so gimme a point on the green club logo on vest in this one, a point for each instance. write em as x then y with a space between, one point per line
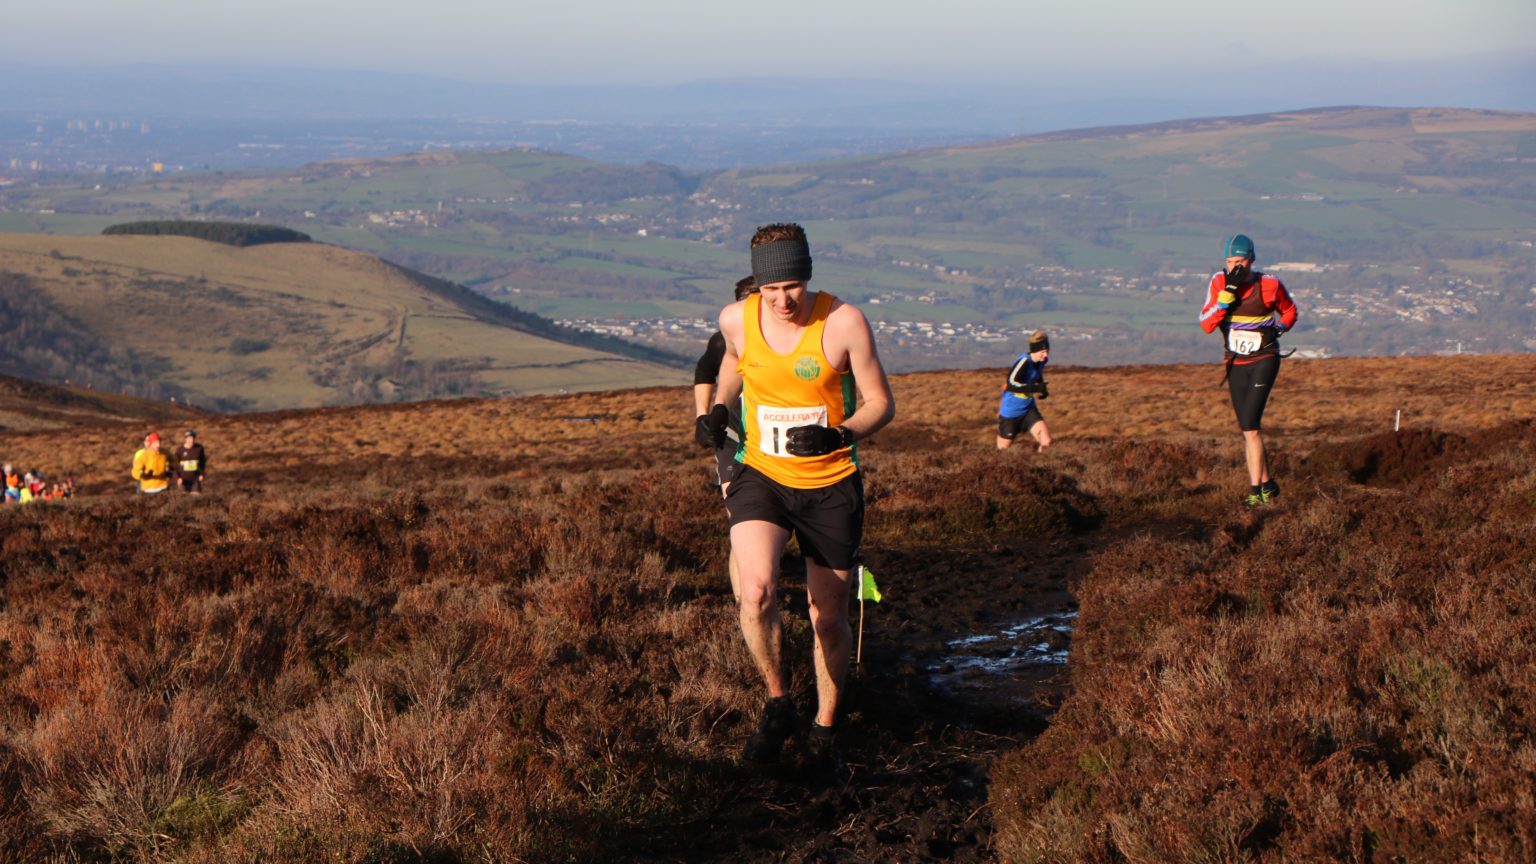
807 369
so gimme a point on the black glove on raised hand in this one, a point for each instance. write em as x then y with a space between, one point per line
709 429
816 440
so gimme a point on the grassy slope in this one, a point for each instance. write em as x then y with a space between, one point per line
27 406
1200 178
329 316
499 630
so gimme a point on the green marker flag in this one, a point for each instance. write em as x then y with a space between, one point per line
867 591
867 588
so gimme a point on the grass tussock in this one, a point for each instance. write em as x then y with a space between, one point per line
500 630
460 675
974 500
1350 678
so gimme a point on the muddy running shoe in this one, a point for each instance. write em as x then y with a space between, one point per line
1269 491
1254 499
773 728
826 752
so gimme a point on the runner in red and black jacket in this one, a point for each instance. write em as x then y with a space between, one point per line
1252 310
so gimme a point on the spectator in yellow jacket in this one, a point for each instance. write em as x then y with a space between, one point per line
151 467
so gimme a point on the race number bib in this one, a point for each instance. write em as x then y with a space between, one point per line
774 423
1244 341
189 466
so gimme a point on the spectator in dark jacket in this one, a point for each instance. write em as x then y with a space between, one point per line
191 463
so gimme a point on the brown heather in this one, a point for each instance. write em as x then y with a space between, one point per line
500 631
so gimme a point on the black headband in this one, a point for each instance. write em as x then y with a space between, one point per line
781 261
1039 344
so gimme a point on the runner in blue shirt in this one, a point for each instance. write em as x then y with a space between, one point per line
1018 411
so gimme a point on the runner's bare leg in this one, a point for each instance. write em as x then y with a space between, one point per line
755 548
735 574
1258 464
829 591
730 560
1042 435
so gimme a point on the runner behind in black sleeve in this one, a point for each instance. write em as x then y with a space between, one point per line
705 376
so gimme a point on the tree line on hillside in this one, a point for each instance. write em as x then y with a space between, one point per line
44 343
228 233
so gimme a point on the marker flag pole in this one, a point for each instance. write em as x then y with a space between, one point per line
867 590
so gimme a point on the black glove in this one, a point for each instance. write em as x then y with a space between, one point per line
1035 389
816 440
709 429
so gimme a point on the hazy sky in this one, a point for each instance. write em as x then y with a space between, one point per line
674 41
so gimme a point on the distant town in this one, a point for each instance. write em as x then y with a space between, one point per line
1329 312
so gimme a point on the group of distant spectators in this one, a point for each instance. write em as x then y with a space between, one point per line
155 471
27 487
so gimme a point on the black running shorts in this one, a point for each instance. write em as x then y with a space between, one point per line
828 522
726 466
1010 427
1250 384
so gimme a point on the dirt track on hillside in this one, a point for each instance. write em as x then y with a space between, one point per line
925 718
965 659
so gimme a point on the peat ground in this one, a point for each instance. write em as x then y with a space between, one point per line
556 566
921 735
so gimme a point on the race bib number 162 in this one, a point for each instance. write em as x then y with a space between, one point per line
774 423
1244 341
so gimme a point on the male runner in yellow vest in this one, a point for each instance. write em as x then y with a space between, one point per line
793 355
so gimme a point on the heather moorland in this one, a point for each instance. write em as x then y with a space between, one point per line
500 630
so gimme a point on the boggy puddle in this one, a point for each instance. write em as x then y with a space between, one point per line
1006 664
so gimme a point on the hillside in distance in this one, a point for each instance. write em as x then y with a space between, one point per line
29 406
501 629
1399 230
280 325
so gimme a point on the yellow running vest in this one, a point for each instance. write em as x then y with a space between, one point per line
782 391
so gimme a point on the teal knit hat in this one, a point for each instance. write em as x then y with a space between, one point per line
1238 246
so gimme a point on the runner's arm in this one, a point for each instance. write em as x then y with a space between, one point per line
1214 311
1016 374
868 373
1285 307
707 373
703 397
728 384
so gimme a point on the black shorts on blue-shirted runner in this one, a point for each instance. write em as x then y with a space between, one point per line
1010 427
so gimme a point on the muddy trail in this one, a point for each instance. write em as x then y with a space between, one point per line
965 659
